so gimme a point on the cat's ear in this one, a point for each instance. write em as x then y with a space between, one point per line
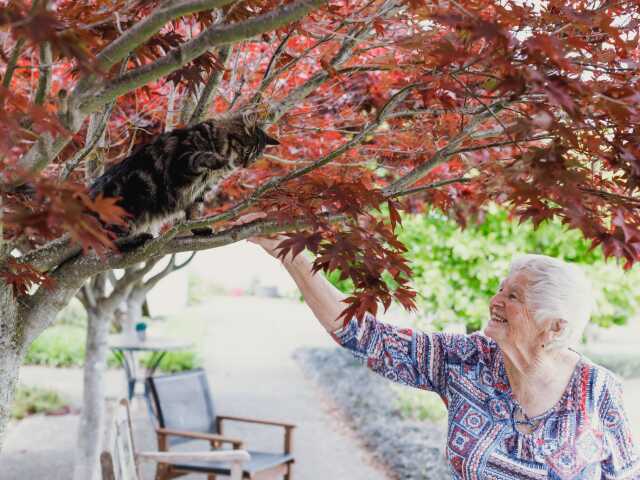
270 140
250 120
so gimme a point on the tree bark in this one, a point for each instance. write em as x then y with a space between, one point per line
11 353
134 310
91 429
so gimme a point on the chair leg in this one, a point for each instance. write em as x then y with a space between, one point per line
161 472
289 474
211 477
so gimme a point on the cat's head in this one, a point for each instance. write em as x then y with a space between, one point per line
254 138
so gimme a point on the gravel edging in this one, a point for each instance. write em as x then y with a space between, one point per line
412 450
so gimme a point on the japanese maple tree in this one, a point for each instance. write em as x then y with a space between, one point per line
380 103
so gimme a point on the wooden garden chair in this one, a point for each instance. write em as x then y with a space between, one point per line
120 461
184 411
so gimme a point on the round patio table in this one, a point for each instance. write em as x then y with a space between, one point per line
124 348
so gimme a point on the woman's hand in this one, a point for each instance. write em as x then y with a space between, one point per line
269 244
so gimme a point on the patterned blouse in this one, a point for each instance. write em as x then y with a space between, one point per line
585 436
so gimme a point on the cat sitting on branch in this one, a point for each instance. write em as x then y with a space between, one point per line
165 179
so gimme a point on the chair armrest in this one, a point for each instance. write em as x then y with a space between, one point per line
255 420
239 456
211 437
236 459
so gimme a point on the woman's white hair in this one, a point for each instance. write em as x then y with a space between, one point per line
557 290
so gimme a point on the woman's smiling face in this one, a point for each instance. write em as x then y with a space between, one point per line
511 321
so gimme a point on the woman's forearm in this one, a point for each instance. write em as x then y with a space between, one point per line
323 298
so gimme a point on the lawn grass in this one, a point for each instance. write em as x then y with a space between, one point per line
32 400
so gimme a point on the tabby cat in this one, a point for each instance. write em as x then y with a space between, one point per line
162 179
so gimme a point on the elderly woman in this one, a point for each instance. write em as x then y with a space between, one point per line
522 404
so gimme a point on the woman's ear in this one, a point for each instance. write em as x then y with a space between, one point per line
555 329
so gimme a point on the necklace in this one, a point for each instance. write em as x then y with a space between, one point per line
527 424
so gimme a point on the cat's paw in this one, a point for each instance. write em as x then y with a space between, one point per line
200 232
131 243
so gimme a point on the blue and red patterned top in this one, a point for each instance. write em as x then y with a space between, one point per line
585 436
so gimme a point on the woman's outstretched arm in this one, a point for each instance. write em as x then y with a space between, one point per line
323 298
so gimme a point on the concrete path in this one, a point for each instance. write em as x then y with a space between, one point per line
247 343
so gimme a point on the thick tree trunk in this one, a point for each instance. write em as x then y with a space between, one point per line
10 360
91 429
12 349
120 318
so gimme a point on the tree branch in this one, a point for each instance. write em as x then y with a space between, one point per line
430 186
206 97
170 268
13 61
15 54
499 144
630 202
132 276
239 232
40 309
147 28
125 284
185 263
270 76
211 37
448 151
304 90
44 79
351 39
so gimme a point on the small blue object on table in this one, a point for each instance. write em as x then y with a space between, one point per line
124 349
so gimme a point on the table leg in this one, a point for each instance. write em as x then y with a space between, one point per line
154 361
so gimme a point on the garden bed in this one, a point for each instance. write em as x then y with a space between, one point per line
412 449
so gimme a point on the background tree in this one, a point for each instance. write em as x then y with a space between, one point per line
101 296
404 103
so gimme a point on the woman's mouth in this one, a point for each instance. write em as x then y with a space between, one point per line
498 318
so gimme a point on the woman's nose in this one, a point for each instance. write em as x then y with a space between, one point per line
495 300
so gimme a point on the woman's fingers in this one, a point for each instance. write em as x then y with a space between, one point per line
249 217
269 244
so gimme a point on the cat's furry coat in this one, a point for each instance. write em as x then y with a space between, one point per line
164 178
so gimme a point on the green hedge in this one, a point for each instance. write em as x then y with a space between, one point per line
457 271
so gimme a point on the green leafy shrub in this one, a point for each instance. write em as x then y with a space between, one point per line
32 400
175 361
58 346
457 271
61 346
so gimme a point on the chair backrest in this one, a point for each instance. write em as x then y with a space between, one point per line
118 461
182 401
